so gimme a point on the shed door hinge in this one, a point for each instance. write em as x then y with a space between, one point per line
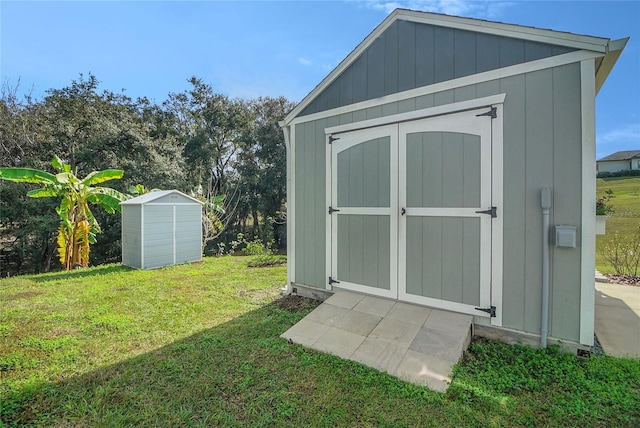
493 212
332 210
493 113
333 281
491 311
332 139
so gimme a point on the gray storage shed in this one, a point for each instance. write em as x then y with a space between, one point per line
416 172
161 228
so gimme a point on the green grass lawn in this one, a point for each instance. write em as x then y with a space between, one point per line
626 218
198 345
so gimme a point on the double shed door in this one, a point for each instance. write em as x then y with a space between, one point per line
406 211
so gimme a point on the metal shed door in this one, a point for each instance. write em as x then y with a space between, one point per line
445 197
364 211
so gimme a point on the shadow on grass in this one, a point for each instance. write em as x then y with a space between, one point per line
82 273
238 373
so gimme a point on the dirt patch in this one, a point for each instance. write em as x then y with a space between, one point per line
23 295
297 303
624 280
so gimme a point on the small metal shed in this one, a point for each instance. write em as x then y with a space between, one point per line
161 228
423 167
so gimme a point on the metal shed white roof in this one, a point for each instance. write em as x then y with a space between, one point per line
152 196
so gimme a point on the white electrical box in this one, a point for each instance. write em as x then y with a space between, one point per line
565 236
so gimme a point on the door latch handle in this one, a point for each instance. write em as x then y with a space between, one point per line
403 211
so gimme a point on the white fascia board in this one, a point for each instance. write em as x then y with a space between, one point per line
578 41
590 43
609 61
486 76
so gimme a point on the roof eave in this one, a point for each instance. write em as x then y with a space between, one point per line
614 50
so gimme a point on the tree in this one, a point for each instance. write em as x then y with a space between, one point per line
78 226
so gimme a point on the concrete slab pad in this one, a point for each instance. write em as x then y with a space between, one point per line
394 331
327 314
374 305
617 319
440 344
411 314
339 342
425 370
344 299
305 332
452 322
380 355
358 322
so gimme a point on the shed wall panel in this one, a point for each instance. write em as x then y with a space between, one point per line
565 295
409 55
131 236
158 236
188 233
537 127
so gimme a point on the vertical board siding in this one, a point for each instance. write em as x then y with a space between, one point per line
409 55
568 202
364 174
444 170
364 250
539 174
188 233
131 236
158 236
443 258
515 172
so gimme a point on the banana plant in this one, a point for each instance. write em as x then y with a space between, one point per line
78 226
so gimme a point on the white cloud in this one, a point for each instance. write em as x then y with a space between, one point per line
304 61
629 133
625 137
474 9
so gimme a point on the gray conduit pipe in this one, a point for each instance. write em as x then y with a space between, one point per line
545 202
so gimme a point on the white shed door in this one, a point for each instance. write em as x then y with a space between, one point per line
445 199
406 220
364 211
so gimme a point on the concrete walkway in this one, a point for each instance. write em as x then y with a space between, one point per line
617 319
414 343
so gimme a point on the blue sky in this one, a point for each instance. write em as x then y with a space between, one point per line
271 48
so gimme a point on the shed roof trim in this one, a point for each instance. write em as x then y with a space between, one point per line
152 196
591 43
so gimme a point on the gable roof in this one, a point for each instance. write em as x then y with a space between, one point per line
610 50
152 196
621 156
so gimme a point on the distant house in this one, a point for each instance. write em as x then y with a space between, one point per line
627 160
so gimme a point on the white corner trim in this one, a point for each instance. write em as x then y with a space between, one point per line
420 114
588 245
486 76
291 239
141 236
330 257
497 225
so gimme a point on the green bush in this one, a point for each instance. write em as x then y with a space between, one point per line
622 252
624 173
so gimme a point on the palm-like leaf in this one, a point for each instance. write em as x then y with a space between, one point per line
97 177
78 226
27 175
